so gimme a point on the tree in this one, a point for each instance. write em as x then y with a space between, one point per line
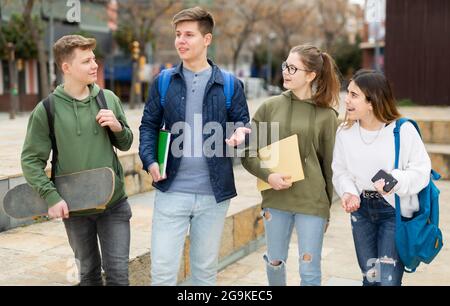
15 43
348 56
238 24
331 20
291 19
137 23
36 36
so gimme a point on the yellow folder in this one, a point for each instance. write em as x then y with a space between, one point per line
281 157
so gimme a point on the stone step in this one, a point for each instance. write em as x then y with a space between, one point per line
435 131
440 159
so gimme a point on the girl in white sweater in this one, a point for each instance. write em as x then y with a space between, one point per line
365 145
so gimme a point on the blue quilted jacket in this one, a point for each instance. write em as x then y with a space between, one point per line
214 109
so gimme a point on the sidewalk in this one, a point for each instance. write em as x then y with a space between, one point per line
339 264
39 254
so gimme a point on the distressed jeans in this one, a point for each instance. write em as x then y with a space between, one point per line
112 229
373 228
310 231
174 214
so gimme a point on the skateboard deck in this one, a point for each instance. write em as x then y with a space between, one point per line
82 190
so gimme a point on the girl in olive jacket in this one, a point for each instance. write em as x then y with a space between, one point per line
304 110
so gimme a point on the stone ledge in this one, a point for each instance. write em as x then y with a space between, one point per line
136 181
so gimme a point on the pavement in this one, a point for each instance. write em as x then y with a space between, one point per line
339 265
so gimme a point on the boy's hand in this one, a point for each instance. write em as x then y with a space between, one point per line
59 210
106 117
238 136
154 172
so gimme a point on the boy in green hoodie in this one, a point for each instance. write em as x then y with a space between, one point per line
83 143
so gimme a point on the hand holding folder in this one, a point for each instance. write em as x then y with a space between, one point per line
281 157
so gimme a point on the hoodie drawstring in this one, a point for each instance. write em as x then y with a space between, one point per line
93 113
75 109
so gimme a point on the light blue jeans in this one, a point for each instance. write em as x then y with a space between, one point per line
174 214
310 230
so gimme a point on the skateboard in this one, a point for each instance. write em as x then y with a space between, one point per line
90 189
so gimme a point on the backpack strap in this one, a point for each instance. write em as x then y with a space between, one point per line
163 84
228 87
397 127
101 102
398 124
50 110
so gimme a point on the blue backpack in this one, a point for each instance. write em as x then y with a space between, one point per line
166 76
418 239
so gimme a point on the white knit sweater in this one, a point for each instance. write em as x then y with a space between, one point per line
359 154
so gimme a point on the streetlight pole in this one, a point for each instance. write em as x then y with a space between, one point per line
13 86
135 95
377 46
272 36
51 59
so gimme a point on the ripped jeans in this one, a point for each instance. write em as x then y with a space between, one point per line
373 228
310 230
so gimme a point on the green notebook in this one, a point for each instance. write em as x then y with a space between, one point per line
163 150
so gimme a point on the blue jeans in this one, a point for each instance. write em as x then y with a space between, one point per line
173 215
112 229
373 228
310 230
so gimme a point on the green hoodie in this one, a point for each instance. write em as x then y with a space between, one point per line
82 143
316 129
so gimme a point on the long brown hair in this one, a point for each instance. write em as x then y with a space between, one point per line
378 92
327 81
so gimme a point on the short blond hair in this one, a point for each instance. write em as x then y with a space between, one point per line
64 48
203 17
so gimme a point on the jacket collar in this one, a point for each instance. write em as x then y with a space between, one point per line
216 76
290 95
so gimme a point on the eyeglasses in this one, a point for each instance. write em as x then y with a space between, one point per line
291 69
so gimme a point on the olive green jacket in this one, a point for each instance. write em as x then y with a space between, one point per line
316 129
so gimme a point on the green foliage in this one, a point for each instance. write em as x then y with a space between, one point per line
126 34
406 102
16 32
348 56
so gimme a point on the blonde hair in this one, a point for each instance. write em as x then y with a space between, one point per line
327 81
64 48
